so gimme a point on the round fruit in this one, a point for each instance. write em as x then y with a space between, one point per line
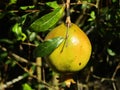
73 53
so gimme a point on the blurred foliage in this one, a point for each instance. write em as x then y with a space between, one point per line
20 32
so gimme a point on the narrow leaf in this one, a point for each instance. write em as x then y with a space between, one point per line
47 21
110 52
26 87
5 40
53 4
23 19
12 1
47 47
92 15
17 30
114 1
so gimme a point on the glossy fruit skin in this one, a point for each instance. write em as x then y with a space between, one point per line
74 54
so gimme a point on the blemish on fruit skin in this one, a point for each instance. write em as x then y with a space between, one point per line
79 63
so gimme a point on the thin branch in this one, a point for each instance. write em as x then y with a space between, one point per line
68 20
29 44
17 57
39 70
38 10
114 86
15 11
36 77
115 72
113 76
13 81
102 79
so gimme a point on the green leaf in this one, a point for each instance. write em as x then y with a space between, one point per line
32 36
17 30
114 1
92 16
32 6
53 4
110 52
23 19
11 62
5 40
26 87
47 21
13 1
89 1
23 7
2 15
47 47
3 55
26 7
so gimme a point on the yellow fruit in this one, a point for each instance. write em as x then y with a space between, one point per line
71 55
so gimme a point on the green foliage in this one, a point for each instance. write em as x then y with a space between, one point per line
3 55
53 4
47 47
26 87
92 15
114 1
17 30
26 7
5 40
12 1
11 62
32 36
47 21
110 52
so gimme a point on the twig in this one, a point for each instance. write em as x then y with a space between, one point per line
68 21
27 11
102 79
37 10
97 3
17 57
7 84
115 72
39 70
113 76
55 81
21 59
13 81
38 78
110 79
114 86
29 44
81 18
90 30
30 71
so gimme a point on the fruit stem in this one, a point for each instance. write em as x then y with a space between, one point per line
68 20
66 37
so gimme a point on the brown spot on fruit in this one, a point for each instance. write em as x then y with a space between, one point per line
80 63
